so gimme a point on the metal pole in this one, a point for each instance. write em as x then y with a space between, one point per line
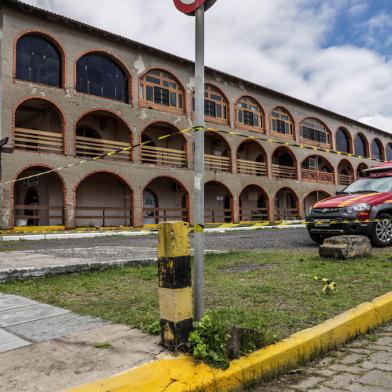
198 203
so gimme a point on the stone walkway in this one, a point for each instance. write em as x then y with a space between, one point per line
365 365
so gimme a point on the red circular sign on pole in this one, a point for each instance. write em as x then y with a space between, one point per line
189 7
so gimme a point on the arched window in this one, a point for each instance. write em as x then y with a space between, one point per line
361 145
97 74
215 104
377 150
249 113
314 131
160 89
343 140
281 121
389 152
38 60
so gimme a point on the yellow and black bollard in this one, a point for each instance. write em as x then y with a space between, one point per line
175 285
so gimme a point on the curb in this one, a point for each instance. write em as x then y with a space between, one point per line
186 375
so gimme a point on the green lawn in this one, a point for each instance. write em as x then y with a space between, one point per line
270 290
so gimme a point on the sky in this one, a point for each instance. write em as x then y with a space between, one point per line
333 53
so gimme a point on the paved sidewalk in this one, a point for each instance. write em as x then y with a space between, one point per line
365 365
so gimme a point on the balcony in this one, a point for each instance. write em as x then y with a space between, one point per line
40 141
163 156
217 163
92 147
345 179
287 214
253 214
280 171
317 176
251 168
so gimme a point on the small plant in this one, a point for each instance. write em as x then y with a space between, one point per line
209 341
104 345
153 328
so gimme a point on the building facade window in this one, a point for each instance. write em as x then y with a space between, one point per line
38 61
249 113
389 152
215 104
315 132
377 150
99 75
159 89
343 140
281 122
361 146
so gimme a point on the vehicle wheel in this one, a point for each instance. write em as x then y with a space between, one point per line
382 233
317 238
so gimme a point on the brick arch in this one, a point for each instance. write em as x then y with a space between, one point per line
153 122
296 198
382 148
227 190
289 114
289 151
349 138
255 99
365 140
48 36
248 140
317 190
263 193
319 156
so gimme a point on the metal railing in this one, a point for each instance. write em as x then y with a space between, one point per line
217 163
253 214
345 179
251 168
41 141
91 147
280 171
99 216
317 176
163 156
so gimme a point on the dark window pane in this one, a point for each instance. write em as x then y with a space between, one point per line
180 101
149 94
377 151
248 117
173 99
342 142
360 146
209 108
38 60
161 96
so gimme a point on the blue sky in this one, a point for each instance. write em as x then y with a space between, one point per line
333 53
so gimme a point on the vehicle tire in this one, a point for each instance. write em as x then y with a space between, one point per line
382 233
317 238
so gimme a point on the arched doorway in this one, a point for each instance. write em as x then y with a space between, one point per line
317 169
253 204
103 199
284 164
165 199
345 173
216 153
361 167
218 203
39 201
313 198
251 159
286 205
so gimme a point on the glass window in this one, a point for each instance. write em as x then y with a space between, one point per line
98 75
38 60
313 130
281 122
360 146
215 104
377 150
389 152
342 140
161 88
249 113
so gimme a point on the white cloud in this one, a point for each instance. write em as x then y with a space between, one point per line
280 44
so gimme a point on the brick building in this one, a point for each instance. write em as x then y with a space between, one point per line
70 91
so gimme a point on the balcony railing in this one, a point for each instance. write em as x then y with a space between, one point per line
104 216
92 147
217 163
286 214
163 156
317 176
253 214
156 215
280 171
345 179
217 215
251 168
41 141
36 215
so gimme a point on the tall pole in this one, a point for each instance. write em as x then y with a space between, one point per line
198 202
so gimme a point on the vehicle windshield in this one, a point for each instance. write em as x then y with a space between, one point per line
365 185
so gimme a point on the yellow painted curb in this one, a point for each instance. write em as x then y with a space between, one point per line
185 375
31 229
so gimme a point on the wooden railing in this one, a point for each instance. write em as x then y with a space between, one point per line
92 147
345 179
253 214
163 156
218 163
317 176
286 214
99 216
280 171
217 215
34 215
156 215
251 168
42 141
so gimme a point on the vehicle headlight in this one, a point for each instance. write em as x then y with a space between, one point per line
310 210
358 207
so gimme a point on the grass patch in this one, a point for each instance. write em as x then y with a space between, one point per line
103 345
273 291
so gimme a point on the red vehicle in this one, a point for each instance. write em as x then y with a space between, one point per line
364 207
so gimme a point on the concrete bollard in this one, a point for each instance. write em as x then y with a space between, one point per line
175 285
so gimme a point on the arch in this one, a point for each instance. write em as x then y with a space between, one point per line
282 123
345 172
218 206
251 158
161 90
102 74
50 189
286 204
284 163
41 132
217 152
388 151
362 166
361 145
315 132
111 130
171 200
249 114
343 140
171 151
377 150
314 197
39 58
253 204
100 206
316 168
